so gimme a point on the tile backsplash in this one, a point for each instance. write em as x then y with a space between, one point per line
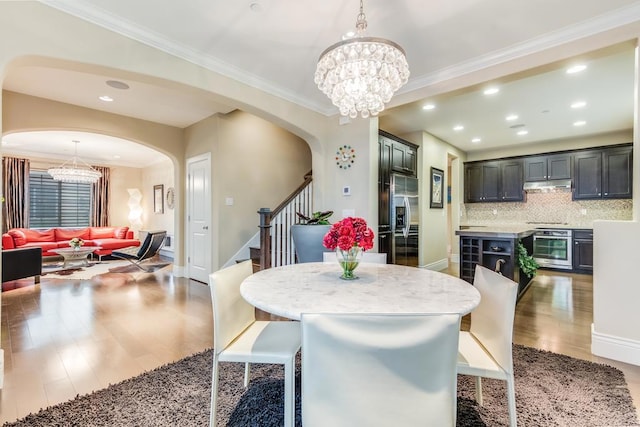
548 208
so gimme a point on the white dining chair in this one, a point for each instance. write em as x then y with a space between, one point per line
379 369
486 349
372 257
238 337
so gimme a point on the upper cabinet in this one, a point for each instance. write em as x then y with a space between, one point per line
493 181
545 168
599 173
603 174
403 158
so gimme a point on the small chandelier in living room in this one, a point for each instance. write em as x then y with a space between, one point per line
360 74
75 170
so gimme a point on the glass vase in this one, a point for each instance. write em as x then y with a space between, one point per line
349 260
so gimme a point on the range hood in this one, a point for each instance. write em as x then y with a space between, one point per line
550 186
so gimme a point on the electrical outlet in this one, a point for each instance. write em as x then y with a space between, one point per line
583 211
495 211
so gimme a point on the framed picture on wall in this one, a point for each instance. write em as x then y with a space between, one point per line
158 199
437 187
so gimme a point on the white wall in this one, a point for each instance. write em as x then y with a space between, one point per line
616 291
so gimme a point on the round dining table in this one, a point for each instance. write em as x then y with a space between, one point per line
291 290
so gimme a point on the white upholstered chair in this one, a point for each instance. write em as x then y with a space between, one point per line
379 370
372 257
238 337
486 349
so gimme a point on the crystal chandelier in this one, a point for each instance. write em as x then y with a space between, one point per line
71 171
361 74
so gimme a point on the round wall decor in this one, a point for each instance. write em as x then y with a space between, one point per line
345 156
171 196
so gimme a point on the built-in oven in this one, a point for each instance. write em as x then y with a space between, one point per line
552 248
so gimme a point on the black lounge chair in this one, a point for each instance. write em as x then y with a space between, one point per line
149 248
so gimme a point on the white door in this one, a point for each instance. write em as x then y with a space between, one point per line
199 218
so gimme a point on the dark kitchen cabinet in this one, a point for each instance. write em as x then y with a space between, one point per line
511 181
583 251
481 182
603 174
617 173
493 181
548 167
395 156
403 158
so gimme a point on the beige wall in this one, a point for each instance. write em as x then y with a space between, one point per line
28 113
123 178
435 224
255 163
158 174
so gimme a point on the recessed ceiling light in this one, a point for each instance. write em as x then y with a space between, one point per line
105 98
116 156
576 68
511 117
578 104
523 132
428 106
117 84
579 123
458 128
491 91
476 140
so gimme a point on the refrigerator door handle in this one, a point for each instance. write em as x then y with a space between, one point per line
407 206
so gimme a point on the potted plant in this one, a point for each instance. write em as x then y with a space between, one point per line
308 234
526 262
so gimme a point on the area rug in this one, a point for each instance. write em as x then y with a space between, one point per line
551 390
98 268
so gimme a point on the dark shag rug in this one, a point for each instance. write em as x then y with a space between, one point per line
551 390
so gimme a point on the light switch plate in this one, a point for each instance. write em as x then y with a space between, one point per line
228 201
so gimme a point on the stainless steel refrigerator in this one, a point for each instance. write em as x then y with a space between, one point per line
404 220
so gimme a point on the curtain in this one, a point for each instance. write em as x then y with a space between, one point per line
100 198
15 190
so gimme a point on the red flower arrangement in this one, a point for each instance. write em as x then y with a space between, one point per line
348 233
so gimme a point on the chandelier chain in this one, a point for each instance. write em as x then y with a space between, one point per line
361 20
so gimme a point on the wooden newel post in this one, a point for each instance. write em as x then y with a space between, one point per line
265 238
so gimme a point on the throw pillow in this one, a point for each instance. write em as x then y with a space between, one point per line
19 237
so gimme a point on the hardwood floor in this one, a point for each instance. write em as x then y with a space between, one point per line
63 338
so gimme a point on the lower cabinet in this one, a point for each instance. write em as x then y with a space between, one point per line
583 251
497 254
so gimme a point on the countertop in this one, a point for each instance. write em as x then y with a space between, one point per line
510 230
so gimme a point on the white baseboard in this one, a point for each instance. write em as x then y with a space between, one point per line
178 270
616 348
443 264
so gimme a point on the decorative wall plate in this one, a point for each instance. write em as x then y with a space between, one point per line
171 196
345 157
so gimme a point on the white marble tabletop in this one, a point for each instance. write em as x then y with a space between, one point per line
294 289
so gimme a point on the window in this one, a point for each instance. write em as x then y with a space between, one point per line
57 204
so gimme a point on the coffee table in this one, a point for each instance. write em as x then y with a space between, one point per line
76 256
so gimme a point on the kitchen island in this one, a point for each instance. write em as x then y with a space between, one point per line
495 247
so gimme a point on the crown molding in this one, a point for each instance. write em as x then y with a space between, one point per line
608 21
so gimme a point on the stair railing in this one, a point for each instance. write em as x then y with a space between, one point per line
276 244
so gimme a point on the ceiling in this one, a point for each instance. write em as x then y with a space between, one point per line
441 39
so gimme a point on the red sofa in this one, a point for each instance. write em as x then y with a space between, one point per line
108 238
